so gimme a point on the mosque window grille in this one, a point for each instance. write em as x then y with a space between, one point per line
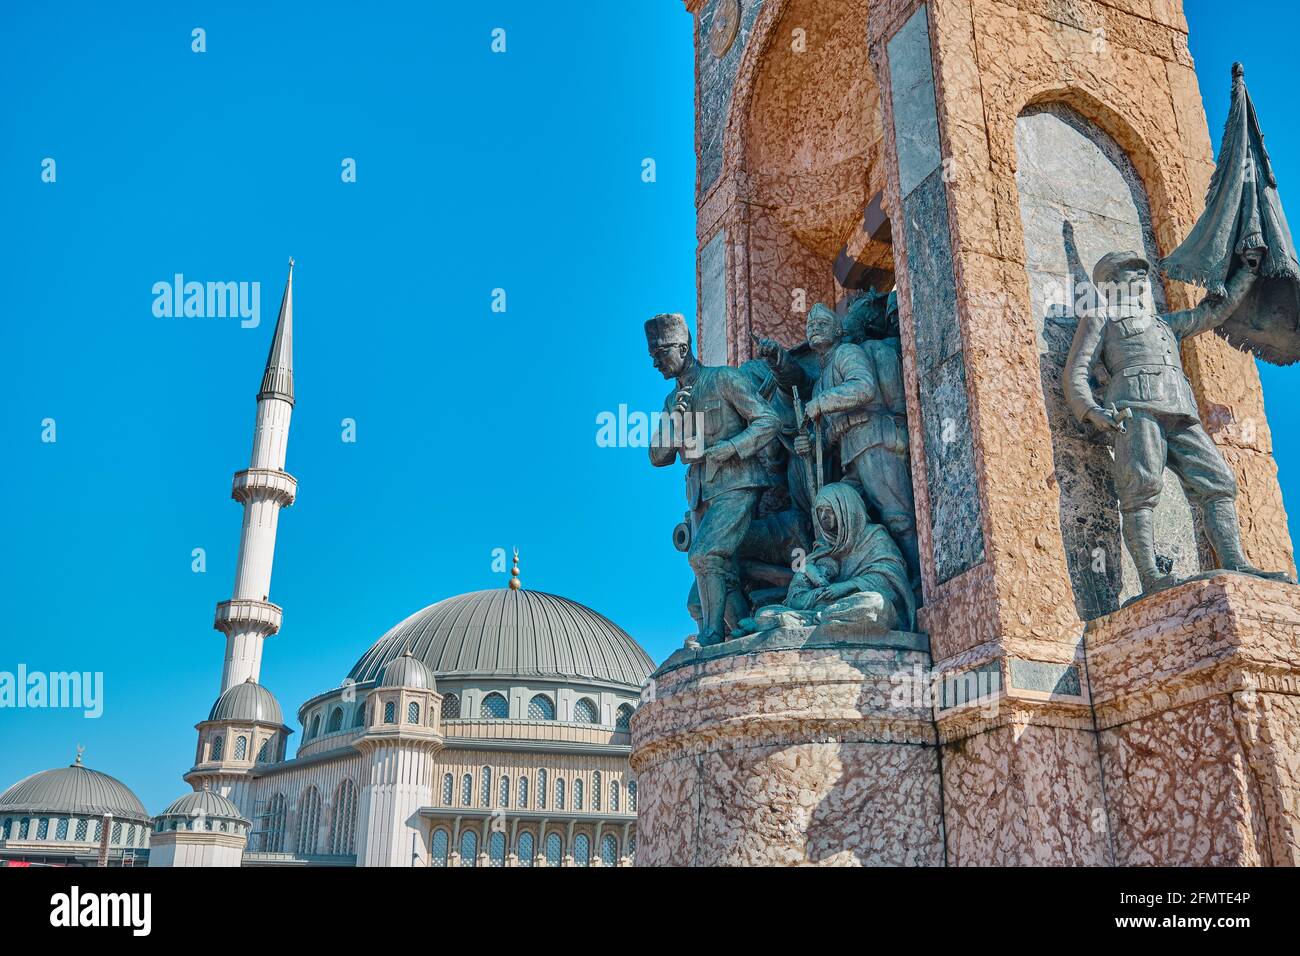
581 850
43 828
559 793
466 790
497 849
631 845
554 849
485 787
80 833
99 830
241 747
623 718
6 828
469 848
336 721
595 790
24 827
308 821
541 707
631 796
218 745
61 829
609 850
526 849
451 707
613 796
315 728
523 793
390 712
264 751
412 712
343 827
541 790
577 794
276 819
116 836
494 707
504 796
448 786
584 711
439 847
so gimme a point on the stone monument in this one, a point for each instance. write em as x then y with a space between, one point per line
1062 698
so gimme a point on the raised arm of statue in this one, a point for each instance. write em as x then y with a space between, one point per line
1213 310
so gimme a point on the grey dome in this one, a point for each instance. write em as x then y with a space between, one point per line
247 701
512 633
407 671
203 803
73 790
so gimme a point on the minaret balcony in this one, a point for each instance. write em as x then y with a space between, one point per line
265 483
244 614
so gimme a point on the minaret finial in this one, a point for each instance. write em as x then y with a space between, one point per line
514 573
81 749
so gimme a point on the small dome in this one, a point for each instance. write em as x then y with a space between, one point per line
73 790
204 803
247 701
512 633
407 671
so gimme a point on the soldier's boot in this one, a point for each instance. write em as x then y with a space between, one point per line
1225 538
713 607
1140 539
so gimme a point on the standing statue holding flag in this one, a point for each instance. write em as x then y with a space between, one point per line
1241 251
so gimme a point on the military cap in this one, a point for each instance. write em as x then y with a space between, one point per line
1113 263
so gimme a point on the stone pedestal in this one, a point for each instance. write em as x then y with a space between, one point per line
1196 692
797 746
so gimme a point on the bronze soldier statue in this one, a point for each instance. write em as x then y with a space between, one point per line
716 421
1151 411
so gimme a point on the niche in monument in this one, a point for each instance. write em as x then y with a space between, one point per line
1080 198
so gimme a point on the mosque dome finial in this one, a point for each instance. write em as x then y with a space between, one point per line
514 573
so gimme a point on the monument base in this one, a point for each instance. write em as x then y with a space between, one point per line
792 747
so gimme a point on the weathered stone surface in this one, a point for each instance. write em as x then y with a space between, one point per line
711 325
715 78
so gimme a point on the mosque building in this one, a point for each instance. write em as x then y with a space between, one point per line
487 729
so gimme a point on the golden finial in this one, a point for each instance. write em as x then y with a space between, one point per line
81 749
514 573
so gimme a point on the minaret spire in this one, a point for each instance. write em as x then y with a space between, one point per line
249 617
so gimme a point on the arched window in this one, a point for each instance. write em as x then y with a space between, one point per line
218 745
336 721
61 828
43 829
439 846
315 728
541 708
6 828
390 712
559 793
494 707
264 751
359 718
485 787
505 791
584 711
631 796
451 707
469 848
241 747
80 833
609 850
577 794
99 830
343 825
276 816
466 790
308 821
497 849
554 849
24 826
623 718
412 713
541 790
526 850
581 850
116 836
613 796
447 784
595 790
631 846
523 793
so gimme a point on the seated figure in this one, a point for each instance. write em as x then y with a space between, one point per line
855 574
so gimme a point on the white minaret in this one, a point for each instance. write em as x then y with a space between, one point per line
263 488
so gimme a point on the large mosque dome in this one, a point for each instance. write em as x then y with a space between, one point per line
75 790
512 633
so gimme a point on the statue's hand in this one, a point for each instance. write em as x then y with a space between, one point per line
1105 420
683 403
813 410
802 444
722 451
770 350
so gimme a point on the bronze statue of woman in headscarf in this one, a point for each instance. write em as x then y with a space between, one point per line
854 575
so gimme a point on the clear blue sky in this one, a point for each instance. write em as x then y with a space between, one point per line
476 430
